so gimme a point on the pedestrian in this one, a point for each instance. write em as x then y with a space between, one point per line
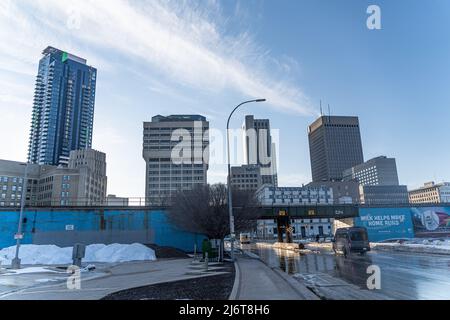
317 238
206 247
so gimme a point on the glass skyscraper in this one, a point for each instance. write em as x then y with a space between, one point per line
63 109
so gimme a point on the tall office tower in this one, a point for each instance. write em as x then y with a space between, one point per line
380 171
259 148
176 153
335 145
63 109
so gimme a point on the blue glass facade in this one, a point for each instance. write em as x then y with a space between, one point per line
63 109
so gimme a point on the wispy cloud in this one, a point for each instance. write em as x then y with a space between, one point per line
187 41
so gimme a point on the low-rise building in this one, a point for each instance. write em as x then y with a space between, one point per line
344 192
301 228
431 193
384 195
246 178
114 201
12 183
294 196
82 183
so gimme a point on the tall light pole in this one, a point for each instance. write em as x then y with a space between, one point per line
15 264
230 197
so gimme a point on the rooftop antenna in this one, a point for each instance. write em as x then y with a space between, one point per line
329 113
321 111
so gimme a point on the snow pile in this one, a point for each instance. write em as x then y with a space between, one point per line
54 255
118 253
438 246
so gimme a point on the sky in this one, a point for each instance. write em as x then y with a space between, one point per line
206 56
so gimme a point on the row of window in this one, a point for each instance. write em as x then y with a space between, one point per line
175 172
13 188
13 179
245 175
12 197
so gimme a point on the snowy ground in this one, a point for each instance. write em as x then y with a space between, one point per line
53 255
436 246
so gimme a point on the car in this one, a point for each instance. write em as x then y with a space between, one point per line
350 240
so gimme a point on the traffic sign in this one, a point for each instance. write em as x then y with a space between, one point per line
18 236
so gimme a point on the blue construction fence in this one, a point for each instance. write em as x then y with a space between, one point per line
404 222
65 227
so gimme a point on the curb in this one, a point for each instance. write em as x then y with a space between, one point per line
237 282
301 289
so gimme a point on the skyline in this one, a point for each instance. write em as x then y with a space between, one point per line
157 77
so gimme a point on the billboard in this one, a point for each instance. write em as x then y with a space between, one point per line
386 223
431 221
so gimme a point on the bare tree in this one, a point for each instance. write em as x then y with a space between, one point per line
204 210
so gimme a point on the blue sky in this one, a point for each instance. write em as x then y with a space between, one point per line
168 57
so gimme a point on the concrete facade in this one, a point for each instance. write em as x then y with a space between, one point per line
246 178
259 148
302 228
431 193
335 145
294 196
175 150
344 192
83 183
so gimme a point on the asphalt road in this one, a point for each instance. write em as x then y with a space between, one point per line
403 275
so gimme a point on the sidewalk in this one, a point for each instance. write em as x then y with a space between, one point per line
116 278
256 281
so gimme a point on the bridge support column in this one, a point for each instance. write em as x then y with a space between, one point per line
279 230
284 227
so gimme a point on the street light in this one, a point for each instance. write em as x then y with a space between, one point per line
15 264
230 200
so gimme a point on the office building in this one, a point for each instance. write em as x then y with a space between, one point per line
431 193
378 171
12 174
379 183
259 148
383 195
63 108
294 196
83 183
344 192
246 178
335 145
175 151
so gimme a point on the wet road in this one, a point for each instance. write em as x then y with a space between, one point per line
403 275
